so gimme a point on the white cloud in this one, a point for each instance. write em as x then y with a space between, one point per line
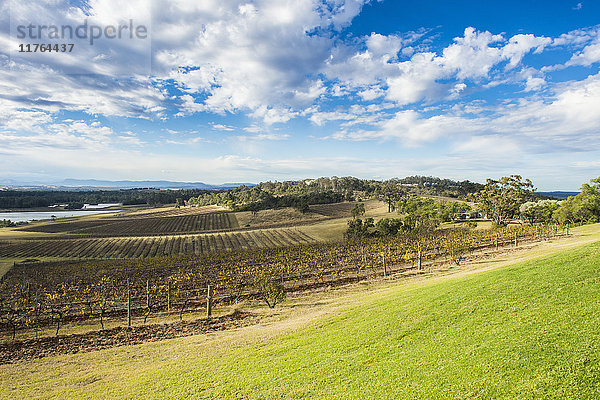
519 45
411 129
47 90
271 115
589 55
457 89
417 81
489 146
472 56
221 127
264 136
567 118
258 58
319 118
371 93
253 129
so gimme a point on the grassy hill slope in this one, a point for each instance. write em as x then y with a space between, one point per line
529 330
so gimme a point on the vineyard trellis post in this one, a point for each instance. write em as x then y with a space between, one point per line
128 303
169 296
148 302
209 293
148 293
37 319
37 312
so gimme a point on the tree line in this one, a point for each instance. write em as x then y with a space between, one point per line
503 201
301 193
45 198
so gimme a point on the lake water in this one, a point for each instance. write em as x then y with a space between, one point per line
30 216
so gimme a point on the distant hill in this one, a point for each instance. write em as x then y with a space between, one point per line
91 184
558 194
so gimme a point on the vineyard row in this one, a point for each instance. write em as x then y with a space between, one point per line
139 226
144 247
71 289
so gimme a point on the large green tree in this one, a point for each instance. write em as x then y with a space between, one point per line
583 208
501 199
538 211
390 192
419 213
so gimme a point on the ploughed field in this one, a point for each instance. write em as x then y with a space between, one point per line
158 232
151 246
140 225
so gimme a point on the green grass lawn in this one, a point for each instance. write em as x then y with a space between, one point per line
530 330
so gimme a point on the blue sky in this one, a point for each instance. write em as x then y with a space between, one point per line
247 91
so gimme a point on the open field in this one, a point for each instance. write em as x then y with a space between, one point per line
438 336
333 228
269 218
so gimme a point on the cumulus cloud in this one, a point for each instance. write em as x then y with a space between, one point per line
428 75
590 53
259 58
265 62
411 128
568 118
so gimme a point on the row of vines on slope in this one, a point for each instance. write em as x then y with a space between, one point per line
138 226
38 294
153 246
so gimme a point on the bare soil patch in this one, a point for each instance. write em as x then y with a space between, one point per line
119 336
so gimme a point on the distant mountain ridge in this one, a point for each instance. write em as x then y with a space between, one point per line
82 184
559 194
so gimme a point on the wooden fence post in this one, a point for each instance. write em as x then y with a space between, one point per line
384 266
209 301
420 260
516 240
128 303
